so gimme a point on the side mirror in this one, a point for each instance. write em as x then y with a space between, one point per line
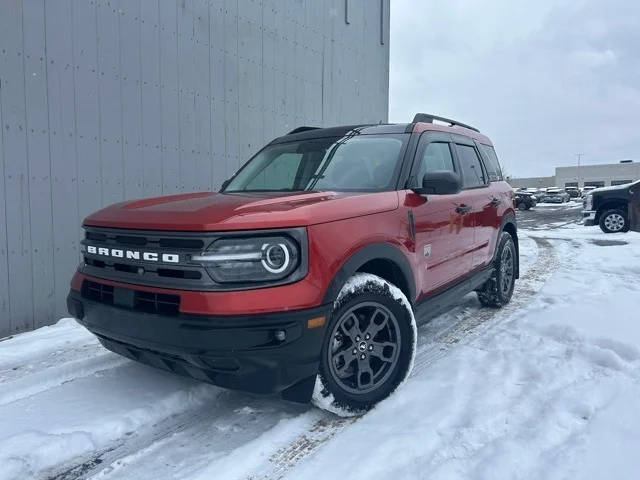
440 182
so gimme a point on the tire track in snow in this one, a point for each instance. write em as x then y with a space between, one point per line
41 381
303 446
218 427
50 361
462 325
133 441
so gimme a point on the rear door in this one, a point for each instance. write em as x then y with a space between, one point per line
442 231
476 195
497 199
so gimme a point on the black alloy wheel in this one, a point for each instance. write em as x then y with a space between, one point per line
369 346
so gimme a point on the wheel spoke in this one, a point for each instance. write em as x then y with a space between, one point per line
385 351
344 360
351 327
376 323
365 373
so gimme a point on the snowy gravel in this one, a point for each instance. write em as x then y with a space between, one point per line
546 388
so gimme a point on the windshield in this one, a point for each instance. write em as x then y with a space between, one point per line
351 163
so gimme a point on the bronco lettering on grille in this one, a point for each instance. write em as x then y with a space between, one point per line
134 254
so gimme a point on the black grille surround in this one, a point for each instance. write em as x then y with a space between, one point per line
181 275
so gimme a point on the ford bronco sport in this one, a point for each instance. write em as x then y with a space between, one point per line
305 275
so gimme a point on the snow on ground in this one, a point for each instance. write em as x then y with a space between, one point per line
547 388
553 392
570 204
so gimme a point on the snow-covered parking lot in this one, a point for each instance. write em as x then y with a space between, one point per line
548 387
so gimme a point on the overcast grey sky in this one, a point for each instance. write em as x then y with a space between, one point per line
543 79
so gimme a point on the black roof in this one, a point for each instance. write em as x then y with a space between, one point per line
305 133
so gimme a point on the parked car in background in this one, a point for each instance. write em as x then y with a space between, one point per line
555 195
574 192
525 200
609 207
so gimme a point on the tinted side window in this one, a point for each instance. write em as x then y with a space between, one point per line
472 173
437 156
491 162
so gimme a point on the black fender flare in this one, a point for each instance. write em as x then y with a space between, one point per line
509 219
373 251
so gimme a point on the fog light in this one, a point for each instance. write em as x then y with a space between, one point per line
280 335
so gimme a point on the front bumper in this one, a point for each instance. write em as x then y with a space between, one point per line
237 352
589 217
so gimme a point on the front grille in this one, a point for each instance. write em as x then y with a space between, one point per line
138 300
181 245
161 259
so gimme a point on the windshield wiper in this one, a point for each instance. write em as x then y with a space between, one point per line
265 190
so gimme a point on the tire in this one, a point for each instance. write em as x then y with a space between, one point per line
522 206
497 291
364 361
614 221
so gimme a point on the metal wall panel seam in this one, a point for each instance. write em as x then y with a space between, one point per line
99 97
123 179
26 141
5 257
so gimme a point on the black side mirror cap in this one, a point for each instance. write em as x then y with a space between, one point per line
440 182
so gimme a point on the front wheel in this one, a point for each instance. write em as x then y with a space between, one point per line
497 291
369 347
613 221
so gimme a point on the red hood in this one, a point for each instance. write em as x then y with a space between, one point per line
215 211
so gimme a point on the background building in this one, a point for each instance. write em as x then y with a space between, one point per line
602 175
102 101
532 182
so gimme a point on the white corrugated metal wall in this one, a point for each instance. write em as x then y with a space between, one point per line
102 101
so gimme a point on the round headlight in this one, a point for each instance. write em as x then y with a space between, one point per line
251 259
275 257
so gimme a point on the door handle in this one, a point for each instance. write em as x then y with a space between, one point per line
462 209
495 202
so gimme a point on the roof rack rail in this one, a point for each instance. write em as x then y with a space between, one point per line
428 118
302 129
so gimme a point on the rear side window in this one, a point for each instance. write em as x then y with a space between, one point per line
491 162
437 156
472 173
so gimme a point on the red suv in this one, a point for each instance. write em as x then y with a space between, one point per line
306 273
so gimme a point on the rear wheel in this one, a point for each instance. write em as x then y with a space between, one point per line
369 348
614 221
497 291
522 206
